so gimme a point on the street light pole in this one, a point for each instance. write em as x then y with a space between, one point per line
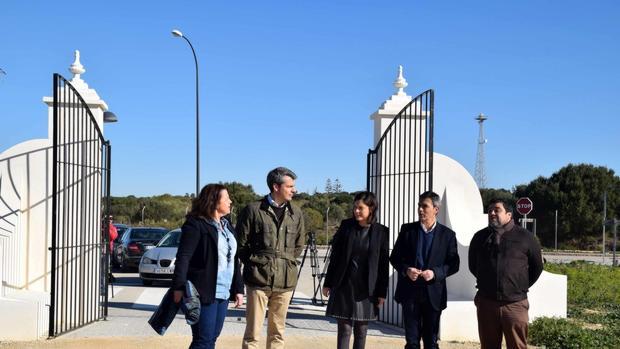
179 34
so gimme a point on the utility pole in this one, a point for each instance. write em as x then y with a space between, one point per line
604 219
556 233
614 222
614 226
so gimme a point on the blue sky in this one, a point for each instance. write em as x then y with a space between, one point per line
293 83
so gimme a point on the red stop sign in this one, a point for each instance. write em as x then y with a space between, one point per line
524 206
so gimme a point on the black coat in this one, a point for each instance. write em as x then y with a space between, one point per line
378 260
197 260
443 260
505 272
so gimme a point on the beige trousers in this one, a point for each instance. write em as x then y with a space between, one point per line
257 302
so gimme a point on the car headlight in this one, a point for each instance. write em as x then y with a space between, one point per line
147 260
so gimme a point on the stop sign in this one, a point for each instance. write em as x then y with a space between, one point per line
524 206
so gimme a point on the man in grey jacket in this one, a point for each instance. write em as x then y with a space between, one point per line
271 237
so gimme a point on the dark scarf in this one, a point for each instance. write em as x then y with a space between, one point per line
498 232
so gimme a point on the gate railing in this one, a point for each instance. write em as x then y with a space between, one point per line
399 169
80 202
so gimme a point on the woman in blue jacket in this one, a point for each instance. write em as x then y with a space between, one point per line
207 258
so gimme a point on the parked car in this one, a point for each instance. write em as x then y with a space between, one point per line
157 264
120 228
136 241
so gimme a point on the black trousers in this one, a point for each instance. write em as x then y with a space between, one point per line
421 321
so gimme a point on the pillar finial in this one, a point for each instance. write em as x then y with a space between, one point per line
400 83
77 68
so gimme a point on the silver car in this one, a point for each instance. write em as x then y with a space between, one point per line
157 264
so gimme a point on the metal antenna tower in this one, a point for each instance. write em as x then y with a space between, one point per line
481 176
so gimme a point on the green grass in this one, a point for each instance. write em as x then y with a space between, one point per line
593 309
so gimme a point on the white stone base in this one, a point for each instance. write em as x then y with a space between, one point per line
458 322
25 316
548 296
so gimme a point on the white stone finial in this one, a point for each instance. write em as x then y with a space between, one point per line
77 68
400 83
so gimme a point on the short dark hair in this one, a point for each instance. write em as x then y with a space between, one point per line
508 207
430 195
369 199
276 176
206 203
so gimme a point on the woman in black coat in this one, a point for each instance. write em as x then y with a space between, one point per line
357 276
207 258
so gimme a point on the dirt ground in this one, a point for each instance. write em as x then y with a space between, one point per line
170 342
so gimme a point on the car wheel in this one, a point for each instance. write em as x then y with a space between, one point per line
147 282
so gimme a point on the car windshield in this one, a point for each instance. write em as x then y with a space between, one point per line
147 234
121 231
172 239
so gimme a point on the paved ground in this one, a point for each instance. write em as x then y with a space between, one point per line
132 305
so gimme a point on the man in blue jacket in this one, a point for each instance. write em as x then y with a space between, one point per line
424 255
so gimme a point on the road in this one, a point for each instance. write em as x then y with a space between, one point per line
566 257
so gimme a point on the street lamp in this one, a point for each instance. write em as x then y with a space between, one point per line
177 33
108 116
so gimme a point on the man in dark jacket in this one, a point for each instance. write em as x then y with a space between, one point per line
506 261
424 255
271 238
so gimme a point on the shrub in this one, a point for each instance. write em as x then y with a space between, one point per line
559 333
593 309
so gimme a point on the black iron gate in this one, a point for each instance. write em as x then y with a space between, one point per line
80 204
399 169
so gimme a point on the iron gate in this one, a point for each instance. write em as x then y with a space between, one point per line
399 169
80 202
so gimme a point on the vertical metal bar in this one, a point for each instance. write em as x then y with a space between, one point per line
409 154
84 227
368 155
414 150
425 113
76 218
419 142
89 230
96 202
97 307
94 223
432 139
53 304
108 203
66 188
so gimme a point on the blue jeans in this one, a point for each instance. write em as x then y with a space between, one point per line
209 327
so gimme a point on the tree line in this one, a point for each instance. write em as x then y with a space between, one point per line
575 191
169 211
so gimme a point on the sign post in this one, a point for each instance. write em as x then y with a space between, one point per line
524 207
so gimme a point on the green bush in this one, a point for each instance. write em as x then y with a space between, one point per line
589 285
593 309
560 334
